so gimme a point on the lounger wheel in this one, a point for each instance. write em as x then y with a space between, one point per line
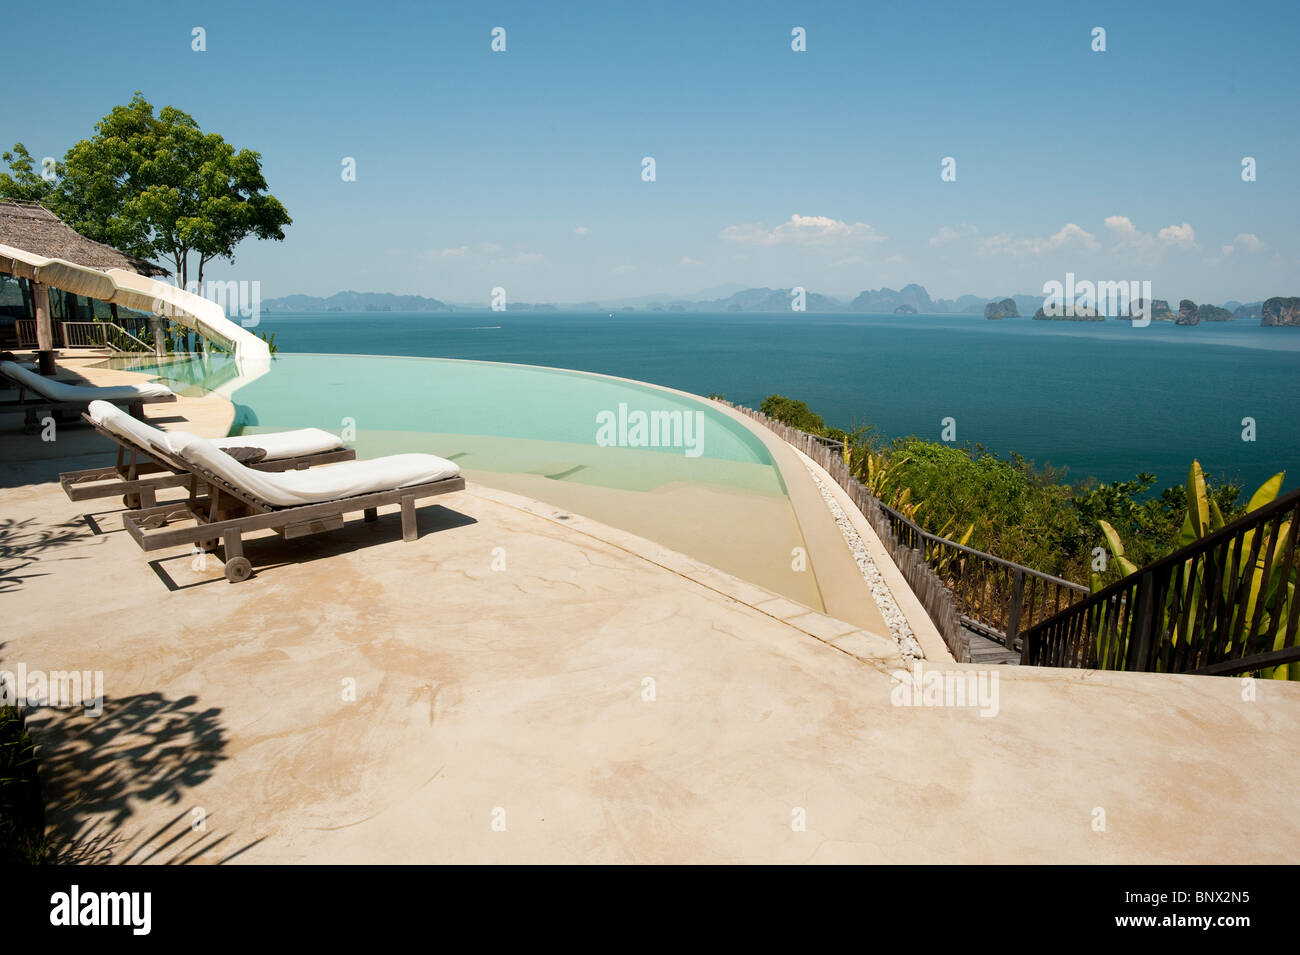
238 568
131 501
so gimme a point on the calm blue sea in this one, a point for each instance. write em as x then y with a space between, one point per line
1102 399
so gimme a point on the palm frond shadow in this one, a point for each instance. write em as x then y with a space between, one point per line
146 748
24 543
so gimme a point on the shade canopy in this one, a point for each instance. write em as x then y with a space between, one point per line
139 292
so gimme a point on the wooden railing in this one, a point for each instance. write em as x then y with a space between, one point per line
961 589
83 335
26 330
997 597
96 334
1226 604
118 338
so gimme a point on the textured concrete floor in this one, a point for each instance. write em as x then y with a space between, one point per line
525 684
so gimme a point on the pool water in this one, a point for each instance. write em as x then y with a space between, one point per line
658 463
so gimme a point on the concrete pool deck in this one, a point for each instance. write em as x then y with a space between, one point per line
527 684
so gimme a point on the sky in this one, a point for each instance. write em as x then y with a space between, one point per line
523 169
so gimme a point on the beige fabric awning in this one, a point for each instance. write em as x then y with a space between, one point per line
141 293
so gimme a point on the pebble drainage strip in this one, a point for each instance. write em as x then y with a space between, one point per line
894 618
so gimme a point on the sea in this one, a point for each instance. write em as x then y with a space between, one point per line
1103 400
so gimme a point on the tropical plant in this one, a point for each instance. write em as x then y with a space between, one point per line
22 808
1268 579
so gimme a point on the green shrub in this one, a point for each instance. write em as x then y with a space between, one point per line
1021 512
22 808
792 412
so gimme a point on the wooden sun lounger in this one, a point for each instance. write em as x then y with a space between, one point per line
32 406
128 476
229 512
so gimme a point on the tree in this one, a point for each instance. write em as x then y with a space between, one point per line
158 187
23 182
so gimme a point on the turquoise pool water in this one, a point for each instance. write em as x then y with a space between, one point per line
662 465
495 417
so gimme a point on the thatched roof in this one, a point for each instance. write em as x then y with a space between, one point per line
32 227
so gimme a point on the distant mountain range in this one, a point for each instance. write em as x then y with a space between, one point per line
355 302
910 299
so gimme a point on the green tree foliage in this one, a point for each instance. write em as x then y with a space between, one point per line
792 412
1011 507
161 188
156 186
24 181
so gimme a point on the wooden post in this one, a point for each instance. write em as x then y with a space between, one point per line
44 329
159 346
1139 641
1017 597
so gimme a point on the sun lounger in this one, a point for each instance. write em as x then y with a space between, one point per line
137 461
293 503
36 392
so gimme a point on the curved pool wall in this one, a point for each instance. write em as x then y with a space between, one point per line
708 487
363 393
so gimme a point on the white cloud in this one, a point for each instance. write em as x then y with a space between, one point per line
1129 237
457 251
523 258
1126 233
624 268
1244 242
802 230
948 234
1070 235
581 230
1181 235
687 260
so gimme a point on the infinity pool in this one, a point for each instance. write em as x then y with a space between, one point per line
652 461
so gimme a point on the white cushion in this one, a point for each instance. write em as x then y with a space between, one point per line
313 486
283 444
62 391
113 419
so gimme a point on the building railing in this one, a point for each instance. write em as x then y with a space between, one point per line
83 335
961 589
96 334
1223 605
26 330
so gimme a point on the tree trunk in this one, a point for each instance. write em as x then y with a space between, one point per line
202 260
185 284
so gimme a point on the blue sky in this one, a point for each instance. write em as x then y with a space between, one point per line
774 168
